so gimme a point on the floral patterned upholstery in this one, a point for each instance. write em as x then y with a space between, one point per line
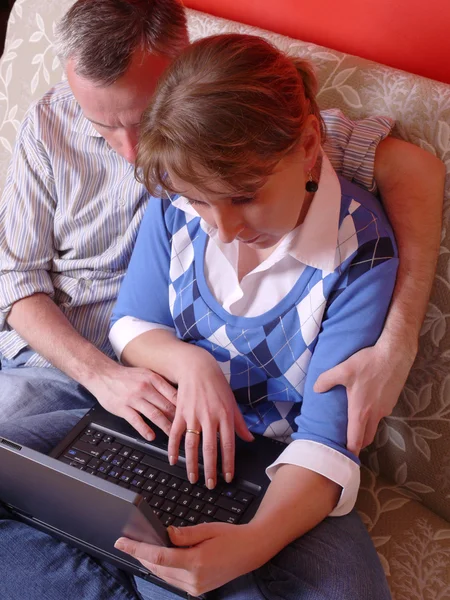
405 492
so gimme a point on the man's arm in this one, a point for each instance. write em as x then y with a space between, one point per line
411 183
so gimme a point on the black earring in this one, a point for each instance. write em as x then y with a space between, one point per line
311 185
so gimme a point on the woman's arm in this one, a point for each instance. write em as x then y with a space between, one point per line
411 183
213 554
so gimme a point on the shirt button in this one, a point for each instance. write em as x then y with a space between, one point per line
121 202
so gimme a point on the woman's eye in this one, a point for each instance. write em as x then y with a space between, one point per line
243 199
193 202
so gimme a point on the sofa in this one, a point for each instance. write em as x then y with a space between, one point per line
405 492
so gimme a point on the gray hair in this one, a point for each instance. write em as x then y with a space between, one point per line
102 35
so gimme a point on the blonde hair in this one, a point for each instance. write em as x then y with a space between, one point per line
231 106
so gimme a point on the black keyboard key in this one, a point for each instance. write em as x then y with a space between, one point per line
88 449
173 495
90 471
184 500
156 502
244 497
136 456
225 516
118 461
137 481
78 466
115 447
209 510
129 465
163 478
125 452
198 492
168 506
123 484
126 477
115 472
101 475
210 497
139 470
229 491
108 439
98 435
89 431
192 517
89 439
174 483
196 505
204 519
185 487
93 463
107 456
104 468
180 523
77 456
134 489
148 486
147 496
111 479
161 490
180 511
231 505
167 520
158 513
151 473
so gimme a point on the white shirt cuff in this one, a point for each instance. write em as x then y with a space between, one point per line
328 462
127 328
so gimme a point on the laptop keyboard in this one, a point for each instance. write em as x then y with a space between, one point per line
173 499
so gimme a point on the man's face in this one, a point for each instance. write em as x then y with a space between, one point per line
115 110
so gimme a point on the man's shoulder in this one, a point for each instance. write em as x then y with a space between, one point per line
59 99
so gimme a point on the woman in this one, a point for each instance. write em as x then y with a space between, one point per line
260 270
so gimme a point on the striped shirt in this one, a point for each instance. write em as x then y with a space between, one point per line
71 210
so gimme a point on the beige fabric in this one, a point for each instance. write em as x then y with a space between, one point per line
408 511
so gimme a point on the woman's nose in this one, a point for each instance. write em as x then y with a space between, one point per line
229 225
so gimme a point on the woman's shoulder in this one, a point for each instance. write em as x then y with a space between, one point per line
170 212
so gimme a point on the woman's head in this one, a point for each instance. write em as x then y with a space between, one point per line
234 124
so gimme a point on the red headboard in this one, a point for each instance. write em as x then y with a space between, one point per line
413 35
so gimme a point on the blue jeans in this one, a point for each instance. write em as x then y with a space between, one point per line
26 391
334 561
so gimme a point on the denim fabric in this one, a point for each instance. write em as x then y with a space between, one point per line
335 561
26 391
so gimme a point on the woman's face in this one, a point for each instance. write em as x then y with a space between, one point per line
261 220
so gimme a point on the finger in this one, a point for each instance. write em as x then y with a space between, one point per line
227 449
175 577
371 430
191 444
356 428
153 414
166 390
209 444
156 555
138 423
191 536
329 379
241 426
175 435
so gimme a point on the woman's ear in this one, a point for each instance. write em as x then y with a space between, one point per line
310 141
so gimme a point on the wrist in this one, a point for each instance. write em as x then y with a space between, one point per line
93 369
192 359
398 347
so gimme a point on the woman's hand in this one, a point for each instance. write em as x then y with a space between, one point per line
205 404
208 555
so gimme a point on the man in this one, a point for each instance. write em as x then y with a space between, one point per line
72 171
69 217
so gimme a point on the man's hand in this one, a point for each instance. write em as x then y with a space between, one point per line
208 555
131 392
374 378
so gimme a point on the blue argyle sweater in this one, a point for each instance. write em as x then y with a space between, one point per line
271 361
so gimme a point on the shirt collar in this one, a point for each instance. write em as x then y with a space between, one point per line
313 242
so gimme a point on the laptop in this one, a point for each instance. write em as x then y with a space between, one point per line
104 481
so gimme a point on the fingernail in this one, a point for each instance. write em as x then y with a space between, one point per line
150 437
172 460
228 477
172 529
192 478
210 484
119 545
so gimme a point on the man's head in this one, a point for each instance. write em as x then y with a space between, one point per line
114 52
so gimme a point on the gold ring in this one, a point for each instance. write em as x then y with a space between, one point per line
193 431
